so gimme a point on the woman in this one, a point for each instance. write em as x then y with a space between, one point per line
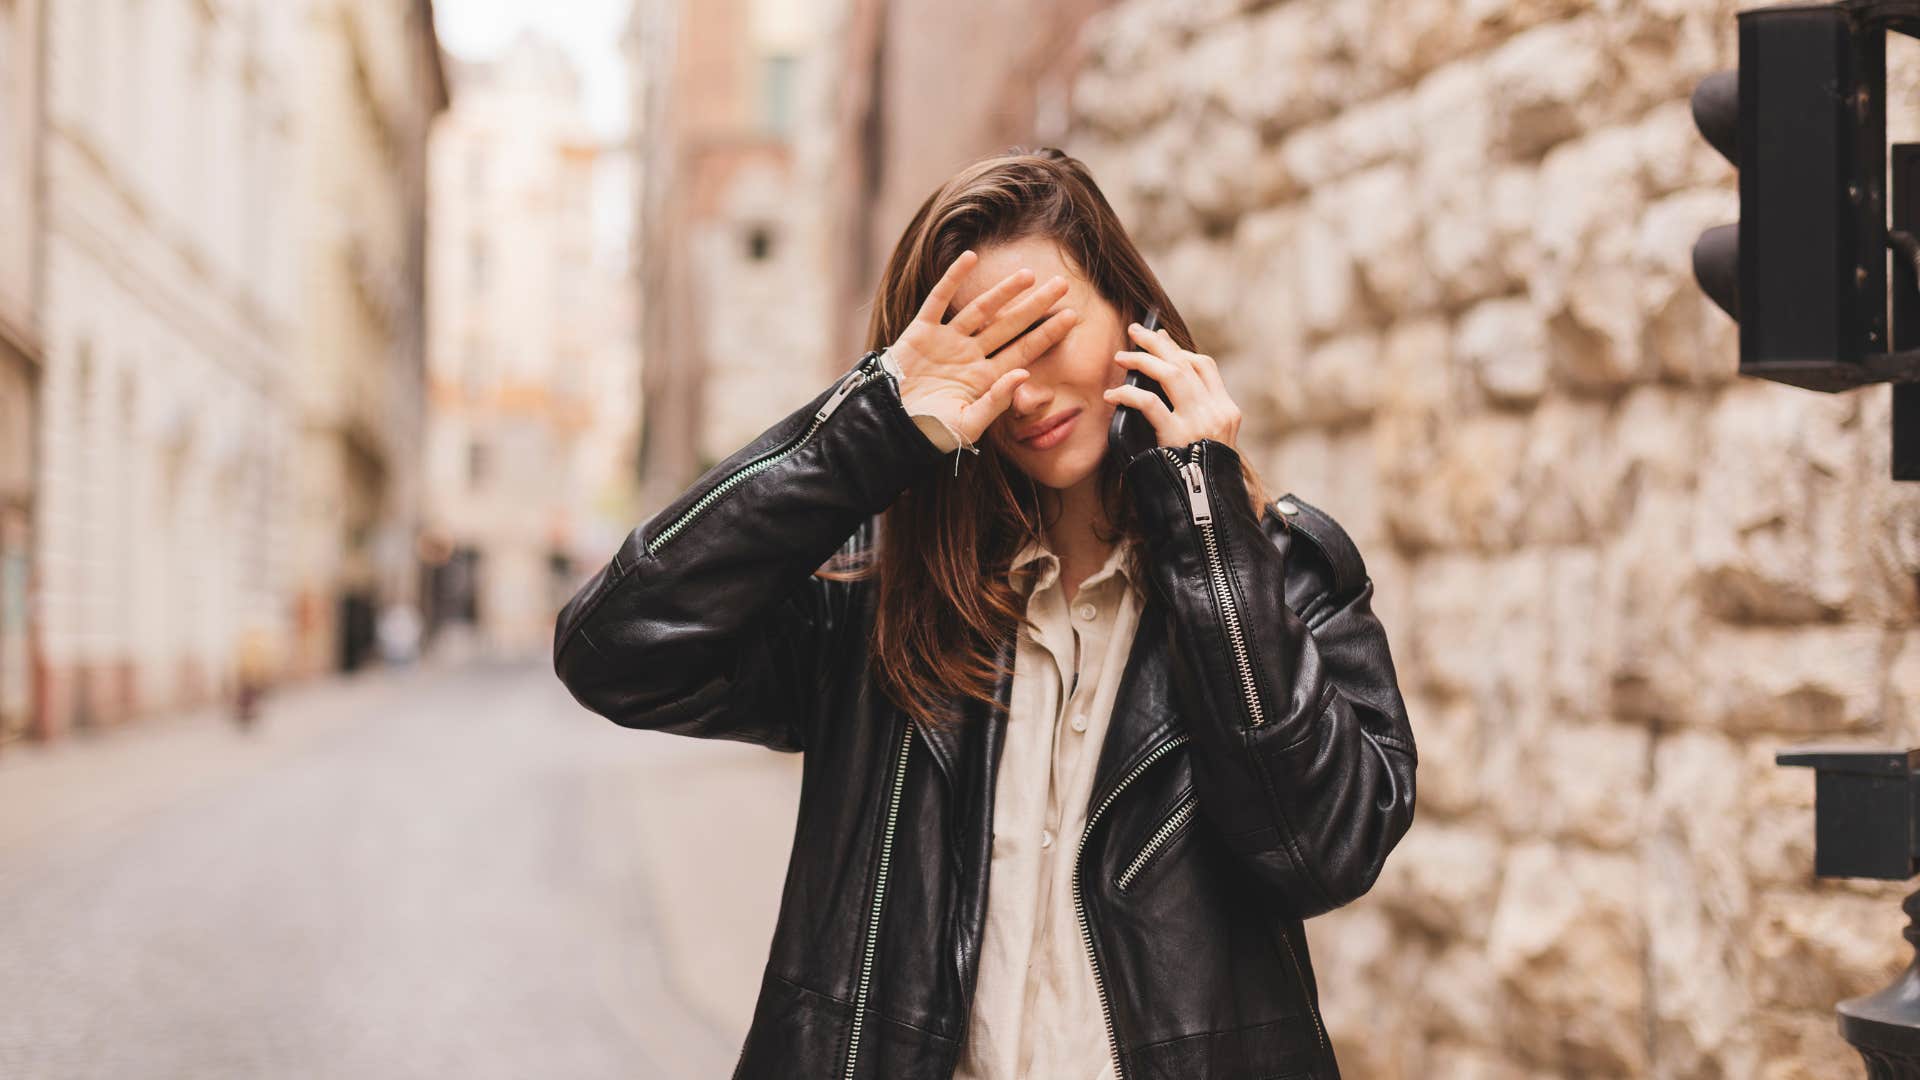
1055 821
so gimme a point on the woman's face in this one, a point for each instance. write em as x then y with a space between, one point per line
1067 381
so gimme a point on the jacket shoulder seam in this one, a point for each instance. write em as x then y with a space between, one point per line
1333 542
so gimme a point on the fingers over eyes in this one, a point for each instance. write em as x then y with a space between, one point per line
942 292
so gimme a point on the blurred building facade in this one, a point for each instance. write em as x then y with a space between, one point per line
166 406
736 119
370 85
20 96
533 365
186 193
899 127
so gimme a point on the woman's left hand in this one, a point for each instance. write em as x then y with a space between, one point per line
1201 407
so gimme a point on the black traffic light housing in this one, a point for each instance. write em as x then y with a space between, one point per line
1866 823
1805 272
1866 809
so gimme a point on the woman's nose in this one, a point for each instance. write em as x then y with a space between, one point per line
1029 400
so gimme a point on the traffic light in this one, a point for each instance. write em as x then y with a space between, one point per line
1803 120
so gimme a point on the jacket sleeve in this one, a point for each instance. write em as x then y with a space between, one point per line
708 620
1303 755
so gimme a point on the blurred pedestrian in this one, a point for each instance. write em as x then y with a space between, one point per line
253 671
399 633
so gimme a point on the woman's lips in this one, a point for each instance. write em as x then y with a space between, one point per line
1053 435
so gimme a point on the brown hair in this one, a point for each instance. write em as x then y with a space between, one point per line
954 538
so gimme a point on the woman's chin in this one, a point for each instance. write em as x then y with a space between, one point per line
1061 468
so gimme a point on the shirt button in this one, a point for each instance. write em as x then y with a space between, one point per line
1079 722
1086 611
1046 838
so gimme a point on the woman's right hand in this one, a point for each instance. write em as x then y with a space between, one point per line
957 370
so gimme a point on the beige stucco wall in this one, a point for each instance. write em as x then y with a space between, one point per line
366 90
165 407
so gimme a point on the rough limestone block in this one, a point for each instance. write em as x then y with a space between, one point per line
1566 941
1594 774
1549 84
1377 213
1654 609
1503 343
1198 273
1777 848
1443 879
1341 379
1772 532
1696 900
1366 135
1812 948
1449 729
1819 680
1226 172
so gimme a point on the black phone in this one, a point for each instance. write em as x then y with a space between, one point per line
1131 432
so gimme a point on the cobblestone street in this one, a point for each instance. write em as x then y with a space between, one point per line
426 873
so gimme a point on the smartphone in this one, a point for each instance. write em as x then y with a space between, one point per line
1131 432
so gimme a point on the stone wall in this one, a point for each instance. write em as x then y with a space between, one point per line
1441 248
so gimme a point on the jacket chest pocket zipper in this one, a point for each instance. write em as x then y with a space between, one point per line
1194 478
1294 958
1080 902
1181 815
879 898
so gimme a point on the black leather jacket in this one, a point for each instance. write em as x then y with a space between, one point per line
1259 690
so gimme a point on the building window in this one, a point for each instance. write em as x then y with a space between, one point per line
759 242
478 461
776 89
477 370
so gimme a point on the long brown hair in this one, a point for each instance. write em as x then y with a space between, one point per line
945 598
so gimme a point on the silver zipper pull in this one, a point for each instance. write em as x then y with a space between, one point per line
1197 493
839 394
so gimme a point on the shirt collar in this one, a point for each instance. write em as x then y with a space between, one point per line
1046 564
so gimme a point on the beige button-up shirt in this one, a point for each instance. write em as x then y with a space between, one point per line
1036 1009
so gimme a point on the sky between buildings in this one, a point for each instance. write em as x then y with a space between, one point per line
589 31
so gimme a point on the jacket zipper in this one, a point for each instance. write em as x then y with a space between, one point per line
1196 484
1079 899
879 898
1312 1010
1161 835
861 375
